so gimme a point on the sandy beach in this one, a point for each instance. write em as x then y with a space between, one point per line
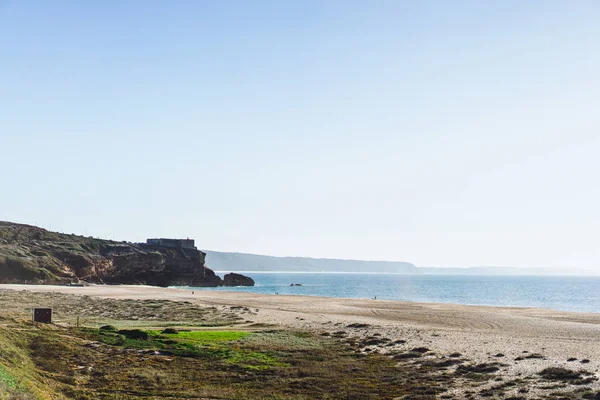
523 340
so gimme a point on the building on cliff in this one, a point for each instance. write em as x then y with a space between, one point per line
174 243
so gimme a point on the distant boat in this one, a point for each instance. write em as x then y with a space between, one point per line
295 284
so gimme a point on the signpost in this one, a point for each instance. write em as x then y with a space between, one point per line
43 315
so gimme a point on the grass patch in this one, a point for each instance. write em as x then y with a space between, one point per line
217 364
7 379
213 345
200 337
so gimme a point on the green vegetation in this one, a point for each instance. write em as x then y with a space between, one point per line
6 378
70 363
197 344
199 337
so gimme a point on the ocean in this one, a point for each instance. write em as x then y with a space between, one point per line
567 293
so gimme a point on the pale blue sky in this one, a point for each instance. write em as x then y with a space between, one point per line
445 133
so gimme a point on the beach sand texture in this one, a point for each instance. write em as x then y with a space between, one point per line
526 340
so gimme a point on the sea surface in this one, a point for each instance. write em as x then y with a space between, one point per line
567 293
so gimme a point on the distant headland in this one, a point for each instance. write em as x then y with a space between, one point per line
224 261
221 261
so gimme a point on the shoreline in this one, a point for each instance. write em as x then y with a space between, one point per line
384 312
226 290
575 294
178 293
544 275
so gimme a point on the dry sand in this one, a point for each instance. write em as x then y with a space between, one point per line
480 334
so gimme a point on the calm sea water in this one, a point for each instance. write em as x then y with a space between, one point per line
560 293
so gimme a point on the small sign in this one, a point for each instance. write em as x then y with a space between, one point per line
43 315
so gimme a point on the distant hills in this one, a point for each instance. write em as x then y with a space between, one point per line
221 261
505 271
229 262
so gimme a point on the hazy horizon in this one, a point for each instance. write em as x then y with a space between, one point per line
439 133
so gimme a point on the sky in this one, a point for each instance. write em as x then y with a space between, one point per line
461 133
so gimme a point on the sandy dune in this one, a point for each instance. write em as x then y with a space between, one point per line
479 333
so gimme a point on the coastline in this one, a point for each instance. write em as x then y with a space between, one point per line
224 296
573 294
482 334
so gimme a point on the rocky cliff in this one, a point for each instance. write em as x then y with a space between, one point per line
29 254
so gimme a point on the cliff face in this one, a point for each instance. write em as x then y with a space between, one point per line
154 265
35 255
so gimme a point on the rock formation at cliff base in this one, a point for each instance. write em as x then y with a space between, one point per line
234 279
